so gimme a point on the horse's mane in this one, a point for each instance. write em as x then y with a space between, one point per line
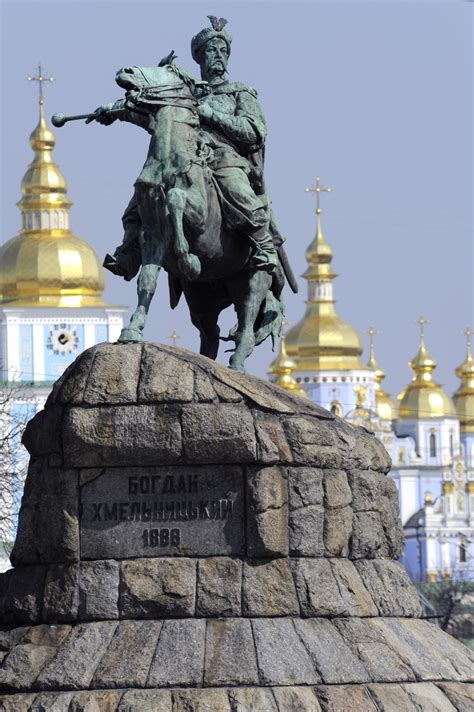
183 75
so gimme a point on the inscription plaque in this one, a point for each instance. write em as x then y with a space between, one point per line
161 511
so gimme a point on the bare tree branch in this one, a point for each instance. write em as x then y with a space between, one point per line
15 411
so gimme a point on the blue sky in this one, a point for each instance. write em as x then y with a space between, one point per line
375 97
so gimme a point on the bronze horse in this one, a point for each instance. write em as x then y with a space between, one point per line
182 227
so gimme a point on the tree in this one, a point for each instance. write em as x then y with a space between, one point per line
449 599
16 407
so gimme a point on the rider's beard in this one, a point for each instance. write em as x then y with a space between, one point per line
215 69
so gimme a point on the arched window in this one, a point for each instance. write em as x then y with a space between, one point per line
462 553
45 219
432 445
401 459
451 443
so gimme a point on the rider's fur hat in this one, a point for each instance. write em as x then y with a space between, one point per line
210 33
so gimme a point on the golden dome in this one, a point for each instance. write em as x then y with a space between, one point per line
464 396
321 340
428 499
424 398
384 406
282 368
46 264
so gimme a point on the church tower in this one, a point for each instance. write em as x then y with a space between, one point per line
426 412
51 281
325 349
464 403
51 309
384 406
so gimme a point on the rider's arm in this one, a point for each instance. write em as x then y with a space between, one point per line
247 126
120 110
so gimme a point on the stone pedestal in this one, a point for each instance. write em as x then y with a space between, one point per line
195 539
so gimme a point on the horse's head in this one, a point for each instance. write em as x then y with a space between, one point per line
137 78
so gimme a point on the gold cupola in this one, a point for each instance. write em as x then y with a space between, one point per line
384 406
281 370
322 340
45 264
423 398
464 396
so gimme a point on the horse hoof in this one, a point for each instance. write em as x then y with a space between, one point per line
238 369
235 365
130 335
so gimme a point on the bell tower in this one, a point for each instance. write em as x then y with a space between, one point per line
51 281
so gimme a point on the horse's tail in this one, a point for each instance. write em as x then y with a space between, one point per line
270 319
268 322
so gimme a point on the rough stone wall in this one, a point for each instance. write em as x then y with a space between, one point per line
184 526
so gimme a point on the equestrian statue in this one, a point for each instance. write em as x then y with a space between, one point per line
200 209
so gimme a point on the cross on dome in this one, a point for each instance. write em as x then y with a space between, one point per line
318 189
421 322
174 337
284 324
372 363
372 332
468 333
40 78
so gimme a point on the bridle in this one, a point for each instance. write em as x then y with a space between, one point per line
152 96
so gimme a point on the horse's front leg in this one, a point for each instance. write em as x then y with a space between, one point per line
248 293
146 286
152 247
189 264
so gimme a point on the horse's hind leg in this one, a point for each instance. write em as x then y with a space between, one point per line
209 332
189 264
247 292
205 305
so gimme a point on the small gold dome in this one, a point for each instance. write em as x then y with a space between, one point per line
46 264
282 368
321 340
384 405
361 415
464 396
428 499
424 398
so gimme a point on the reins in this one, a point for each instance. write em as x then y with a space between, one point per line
152 97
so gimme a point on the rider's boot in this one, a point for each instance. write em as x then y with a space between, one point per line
126 260
265 256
